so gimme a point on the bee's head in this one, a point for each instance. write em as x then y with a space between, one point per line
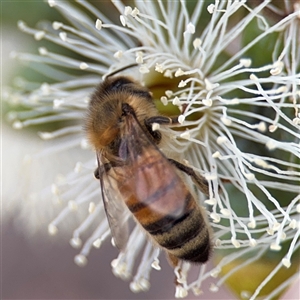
106 114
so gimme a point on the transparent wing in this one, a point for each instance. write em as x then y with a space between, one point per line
115 209
152 183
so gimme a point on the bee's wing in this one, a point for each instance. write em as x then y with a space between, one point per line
153 181
115 209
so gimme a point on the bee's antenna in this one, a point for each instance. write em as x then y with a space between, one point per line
119 70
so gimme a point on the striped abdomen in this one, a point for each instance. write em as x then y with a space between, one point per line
162 204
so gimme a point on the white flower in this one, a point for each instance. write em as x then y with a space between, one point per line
242 121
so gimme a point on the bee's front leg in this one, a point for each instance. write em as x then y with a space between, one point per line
162 120
158 120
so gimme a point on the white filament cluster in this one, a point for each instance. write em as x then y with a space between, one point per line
220 111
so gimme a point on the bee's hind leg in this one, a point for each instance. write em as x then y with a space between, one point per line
199 180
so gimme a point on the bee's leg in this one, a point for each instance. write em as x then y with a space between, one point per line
161 120
158 120
199 180
96 174
103 168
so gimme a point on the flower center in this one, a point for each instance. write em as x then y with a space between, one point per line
170 99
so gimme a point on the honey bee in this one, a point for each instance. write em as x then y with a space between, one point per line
132 168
